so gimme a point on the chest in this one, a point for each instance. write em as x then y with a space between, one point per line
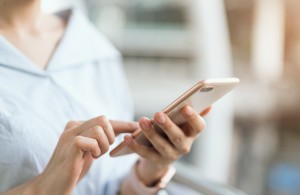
38 49
37 109
77 93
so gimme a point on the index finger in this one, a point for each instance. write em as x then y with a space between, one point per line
98 121
118 126
124 127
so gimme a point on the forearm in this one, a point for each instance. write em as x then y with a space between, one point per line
28 188
42 184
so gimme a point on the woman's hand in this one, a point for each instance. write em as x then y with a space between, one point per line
156 160
78 146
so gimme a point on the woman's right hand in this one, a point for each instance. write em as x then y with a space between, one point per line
78 146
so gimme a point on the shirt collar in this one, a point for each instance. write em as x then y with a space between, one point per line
80 43
11 57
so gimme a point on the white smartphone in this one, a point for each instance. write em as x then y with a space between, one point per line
200 96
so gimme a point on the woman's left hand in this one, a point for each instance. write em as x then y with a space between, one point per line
156 160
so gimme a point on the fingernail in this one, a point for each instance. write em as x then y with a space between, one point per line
188 111
160 118
145 123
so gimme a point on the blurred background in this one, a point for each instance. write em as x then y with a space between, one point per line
252 140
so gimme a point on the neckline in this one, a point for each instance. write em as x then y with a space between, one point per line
82 42
65 15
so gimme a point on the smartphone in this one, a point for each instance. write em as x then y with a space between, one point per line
200 96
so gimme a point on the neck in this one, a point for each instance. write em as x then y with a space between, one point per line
20 14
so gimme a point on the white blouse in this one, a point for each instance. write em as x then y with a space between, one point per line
83 79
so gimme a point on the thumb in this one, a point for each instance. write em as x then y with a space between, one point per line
124 127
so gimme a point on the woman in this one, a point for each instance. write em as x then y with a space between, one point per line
54 68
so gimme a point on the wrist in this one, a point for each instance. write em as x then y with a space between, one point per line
150 173
134 185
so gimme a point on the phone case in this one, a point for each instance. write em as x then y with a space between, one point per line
200 96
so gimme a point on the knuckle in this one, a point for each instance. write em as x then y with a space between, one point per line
177 139
173 157
101 118
103 122
193 117
95 143
185 149
71 124
77 141
97 130
168 125
163 149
